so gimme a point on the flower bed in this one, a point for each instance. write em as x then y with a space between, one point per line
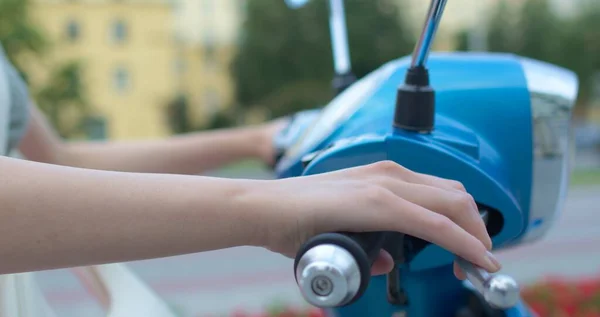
285 312
564 298
550 298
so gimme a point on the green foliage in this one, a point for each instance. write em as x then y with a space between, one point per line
63 97
65 94
17 34
536 31
221 120
285 64
177 113
501 36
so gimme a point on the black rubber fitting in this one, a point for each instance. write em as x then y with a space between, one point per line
415 102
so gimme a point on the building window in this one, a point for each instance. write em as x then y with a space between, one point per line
95 128
73 31
121 80
118 31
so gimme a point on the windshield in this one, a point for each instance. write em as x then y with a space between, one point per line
340 109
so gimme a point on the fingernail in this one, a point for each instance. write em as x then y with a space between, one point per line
492 262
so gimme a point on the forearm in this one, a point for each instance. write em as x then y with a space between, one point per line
187 154
55 217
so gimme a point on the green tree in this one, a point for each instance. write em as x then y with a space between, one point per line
284 62
177 113
582 49
536 31
18 35
63 97
539 32
500 30
570 42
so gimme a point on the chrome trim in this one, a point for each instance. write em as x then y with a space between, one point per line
553 92
339 37
423 46
336 266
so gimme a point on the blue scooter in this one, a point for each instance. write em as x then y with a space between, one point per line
498 123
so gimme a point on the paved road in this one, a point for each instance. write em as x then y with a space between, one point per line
221 281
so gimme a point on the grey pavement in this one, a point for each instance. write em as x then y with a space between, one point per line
220 282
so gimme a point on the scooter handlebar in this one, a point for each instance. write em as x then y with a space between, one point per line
334 269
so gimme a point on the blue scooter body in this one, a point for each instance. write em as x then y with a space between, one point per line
485 137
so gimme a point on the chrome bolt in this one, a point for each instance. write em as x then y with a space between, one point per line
322 286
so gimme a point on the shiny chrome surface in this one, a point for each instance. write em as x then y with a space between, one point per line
339 37
328 276
500 291
553 92
434 16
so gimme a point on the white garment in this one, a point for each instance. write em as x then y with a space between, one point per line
19 294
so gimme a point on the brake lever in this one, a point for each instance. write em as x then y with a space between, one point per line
499 291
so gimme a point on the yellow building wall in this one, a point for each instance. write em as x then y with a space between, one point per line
148 54
207 31
207 82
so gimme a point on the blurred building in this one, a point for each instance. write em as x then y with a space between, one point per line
207 33
140 55
129 55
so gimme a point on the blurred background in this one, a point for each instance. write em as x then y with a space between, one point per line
136 69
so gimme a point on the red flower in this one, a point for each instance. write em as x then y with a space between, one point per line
589 288
240 313
316 313
539 308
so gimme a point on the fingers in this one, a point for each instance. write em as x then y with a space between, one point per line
458 272
436 210
398 171
446 197
456 205
420 222
383 264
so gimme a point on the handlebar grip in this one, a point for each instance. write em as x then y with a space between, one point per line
334 269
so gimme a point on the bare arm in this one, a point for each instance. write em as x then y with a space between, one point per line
187 154
54 216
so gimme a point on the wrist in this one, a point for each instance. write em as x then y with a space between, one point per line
242 205
260 204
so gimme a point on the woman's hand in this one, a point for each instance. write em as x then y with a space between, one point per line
379 197
265 136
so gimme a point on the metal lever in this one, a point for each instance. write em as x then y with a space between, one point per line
499 291
339 37
434 16
344 77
